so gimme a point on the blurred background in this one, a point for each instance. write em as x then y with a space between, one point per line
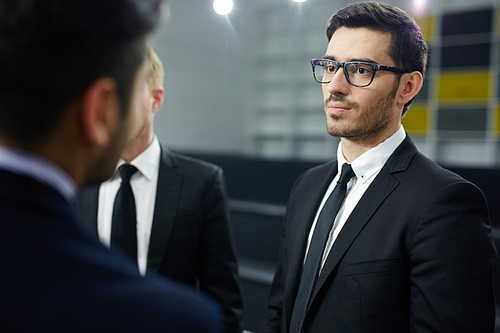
242 83
240 93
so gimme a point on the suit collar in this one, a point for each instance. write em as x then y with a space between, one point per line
25 163
402 157
369 163
168 159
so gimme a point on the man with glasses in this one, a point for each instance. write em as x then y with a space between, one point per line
381 239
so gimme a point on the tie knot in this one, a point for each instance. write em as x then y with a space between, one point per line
126 171
346 174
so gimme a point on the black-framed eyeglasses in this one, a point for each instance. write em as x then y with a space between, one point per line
357 73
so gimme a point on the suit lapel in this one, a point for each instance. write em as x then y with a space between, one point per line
377 192
302 225
166 205
381 187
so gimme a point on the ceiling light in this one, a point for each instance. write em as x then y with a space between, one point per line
223 7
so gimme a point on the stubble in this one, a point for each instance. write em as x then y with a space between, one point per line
369 122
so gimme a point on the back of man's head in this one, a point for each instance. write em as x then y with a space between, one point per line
156 71
52 50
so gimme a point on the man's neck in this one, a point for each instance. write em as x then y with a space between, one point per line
352 148
137 147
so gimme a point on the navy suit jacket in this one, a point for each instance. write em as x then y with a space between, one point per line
57 277
191 239
415 255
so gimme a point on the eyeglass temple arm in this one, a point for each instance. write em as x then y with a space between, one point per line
393 69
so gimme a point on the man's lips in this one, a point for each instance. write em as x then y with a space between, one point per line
337 109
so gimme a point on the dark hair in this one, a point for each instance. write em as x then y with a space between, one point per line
52 50
408 49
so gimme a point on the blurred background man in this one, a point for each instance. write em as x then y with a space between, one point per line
180 227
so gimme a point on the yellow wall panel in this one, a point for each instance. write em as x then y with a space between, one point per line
428 26
467 87
415 120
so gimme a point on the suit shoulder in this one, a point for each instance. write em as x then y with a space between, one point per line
193 165
314 176
434 172
426 176
318 172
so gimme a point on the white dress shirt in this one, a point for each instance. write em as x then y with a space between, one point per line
143 184
366 167
25 163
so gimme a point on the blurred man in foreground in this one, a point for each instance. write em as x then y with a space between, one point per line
71 76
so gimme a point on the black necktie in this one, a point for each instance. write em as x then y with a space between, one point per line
316 248
123 225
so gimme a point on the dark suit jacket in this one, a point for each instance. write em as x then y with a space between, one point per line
415 255
190 238
57 277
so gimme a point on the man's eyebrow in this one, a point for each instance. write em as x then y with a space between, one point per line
371 61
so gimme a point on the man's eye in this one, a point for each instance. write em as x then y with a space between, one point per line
362 70
330 68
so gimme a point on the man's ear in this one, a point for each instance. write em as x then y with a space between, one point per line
158 96
100 112
412 83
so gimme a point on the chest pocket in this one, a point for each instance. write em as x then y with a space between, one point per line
371 267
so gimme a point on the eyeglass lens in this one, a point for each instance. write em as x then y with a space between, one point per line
358 74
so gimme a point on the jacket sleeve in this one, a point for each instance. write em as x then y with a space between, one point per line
274 322
217 266
453 260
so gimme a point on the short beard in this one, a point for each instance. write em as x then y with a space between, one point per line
373 119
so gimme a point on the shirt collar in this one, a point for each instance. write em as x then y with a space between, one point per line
28 164
146 162
369 163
